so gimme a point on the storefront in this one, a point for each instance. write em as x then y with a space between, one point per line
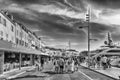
1 62
16 58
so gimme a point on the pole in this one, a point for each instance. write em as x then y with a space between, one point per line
89 38
20 60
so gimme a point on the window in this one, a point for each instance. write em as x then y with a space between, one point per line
23 43
1 33
12 28
26 44
6 35
21 34
0 19
12 38
20 42
17 41
17 32
4 22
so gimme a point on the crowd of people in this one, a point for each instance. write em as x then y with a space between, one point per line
66 65
62 65
99 62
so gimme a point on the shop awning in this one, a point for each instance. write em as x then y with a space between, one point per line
7 46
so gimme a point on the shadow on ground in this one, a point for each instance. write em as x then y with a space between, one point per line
29 76
53 73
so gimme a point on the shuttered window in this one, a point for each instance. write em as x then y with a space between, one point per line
0 20
12 28
4 22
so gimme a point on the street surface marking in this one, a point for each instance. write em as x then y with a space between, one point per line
15 75
86 75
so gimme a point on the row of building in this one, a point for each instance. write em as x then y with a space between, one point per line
16 33
19 47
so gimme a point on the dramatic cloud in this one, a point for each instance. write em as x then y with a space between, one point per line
114 4
57 21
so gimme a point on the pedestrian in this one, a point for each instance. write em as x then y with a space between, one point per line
108 62
42 63
66 66
104 62
93 62
56 65
37 64
87 61
98 61
76 64
61 65
69 65
72 66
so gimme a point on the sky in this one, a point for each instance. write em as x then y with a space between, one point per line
57 21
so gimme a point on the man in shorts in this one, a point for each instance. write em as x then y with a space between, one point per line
61 65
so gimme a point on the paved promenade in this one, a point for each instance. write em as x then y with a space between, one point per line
48 74
15 72
112 72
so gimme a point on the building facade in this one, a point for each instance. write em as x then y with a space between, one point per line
17 33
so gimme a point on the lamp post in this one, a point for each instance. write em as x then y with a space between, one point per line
88 22
89 39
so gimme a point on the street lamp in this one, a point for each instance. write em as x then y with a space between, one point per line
88 22
89 39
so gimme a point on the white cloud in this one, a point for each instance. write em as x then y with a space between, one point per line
52 9
16 8
106 17
113 19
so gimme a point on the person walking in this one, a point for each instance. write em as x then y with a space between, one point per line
69 65
94 63
42 63
76 64
72 66
66 66
104 62
37 64
56 66
108 63
61 65
98 61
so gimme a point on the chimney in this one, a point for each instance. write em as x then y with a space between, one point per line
2 11
10 16
7 14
